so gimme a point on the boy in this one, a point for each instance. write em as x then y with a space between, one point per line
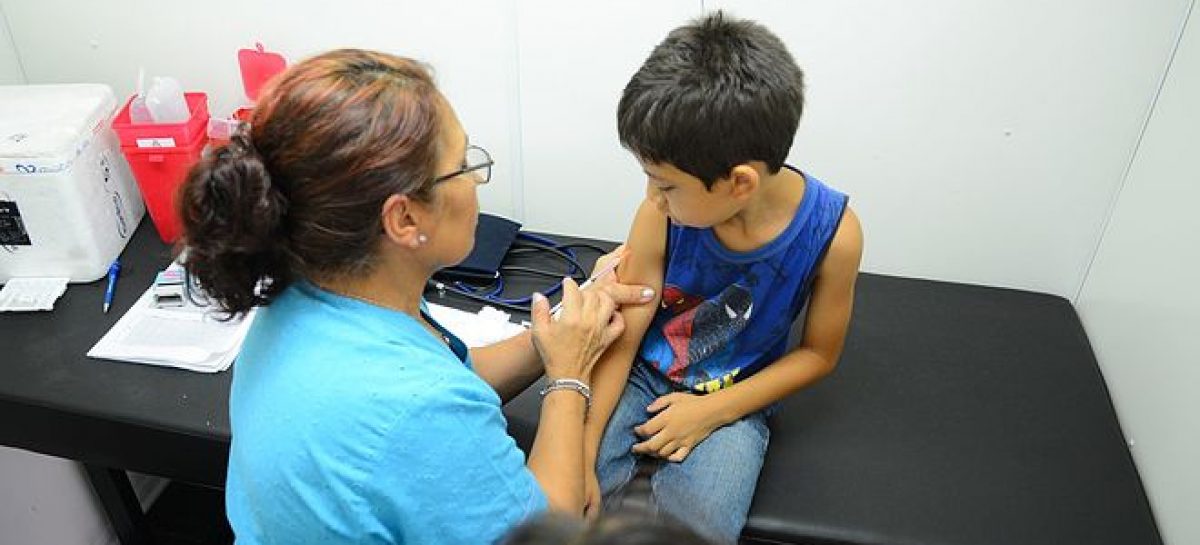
737 244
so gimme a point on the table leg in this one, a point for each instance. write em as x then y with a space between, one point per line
120 503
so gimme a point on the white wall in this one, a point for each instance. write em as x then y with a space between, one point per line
573 65
997 130
980 141
10 66
47 500
1141 301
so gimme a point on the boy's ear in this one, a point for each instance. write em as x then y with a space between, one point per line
399 217
744 179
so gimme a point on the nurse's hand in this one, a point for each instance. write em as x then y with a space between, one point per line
570 345
622 294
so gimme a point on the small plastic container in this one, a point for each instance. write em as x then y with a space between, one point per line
138 112
220 131
166 102
165 135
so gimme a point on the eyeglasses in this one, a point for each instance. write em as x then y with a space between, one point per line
477 160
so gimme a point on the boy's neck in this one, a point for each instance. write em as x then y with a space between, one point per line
767 214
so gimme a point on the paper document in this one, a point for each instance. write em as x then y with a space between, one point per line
189 337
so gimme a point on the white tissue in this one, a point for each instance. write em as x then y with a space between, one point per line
30 294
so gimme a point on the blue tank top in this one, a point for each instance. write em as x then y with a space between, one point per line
725 315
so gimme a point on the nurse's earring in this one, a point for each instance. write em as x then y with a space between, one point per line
421 239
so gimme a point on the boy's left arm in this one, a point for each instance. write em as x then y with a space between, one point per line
684 419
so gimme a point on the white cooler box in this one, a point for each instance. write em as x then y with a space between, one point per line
68 203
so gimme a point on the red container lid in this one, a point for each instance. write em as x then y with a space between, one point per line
258 66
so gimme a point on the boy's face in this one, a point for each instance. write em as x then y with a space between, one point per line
684 199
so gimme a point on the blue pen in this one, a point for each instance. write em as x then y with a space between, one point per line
113 271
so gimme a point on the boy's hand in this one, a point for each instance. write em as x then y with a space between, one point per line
682 422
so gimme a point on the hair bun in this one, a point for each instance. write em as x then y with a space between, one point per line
233 217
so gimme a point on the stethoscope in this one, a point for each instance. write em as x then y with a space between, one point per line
491 293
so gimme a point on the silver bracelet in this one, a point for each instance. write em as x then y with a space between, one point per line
570 384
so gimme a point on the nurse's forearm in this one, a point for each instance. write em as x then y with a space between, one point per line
508 366
556 459
608 383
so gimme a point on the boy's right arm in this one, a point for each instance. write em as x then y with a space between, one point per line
644 264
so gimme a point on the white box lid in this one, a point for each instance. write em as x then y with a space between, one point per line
44 127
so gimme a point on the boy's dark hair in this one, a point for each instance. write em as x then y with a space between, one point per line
716 93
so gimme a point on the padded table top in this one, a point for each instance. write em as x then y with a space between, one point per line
957 415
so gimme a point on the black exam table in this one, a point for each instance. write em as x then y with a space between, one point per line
958 415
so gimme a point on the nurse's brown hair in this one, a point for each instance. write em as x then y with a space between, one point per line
299 194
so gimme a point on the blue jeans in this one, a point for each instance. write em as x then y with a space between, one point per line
712 488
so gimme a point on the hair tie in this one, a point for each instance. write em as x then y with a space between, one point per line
242 141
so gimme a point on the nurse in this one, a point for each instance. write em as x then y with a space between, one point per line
356 417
